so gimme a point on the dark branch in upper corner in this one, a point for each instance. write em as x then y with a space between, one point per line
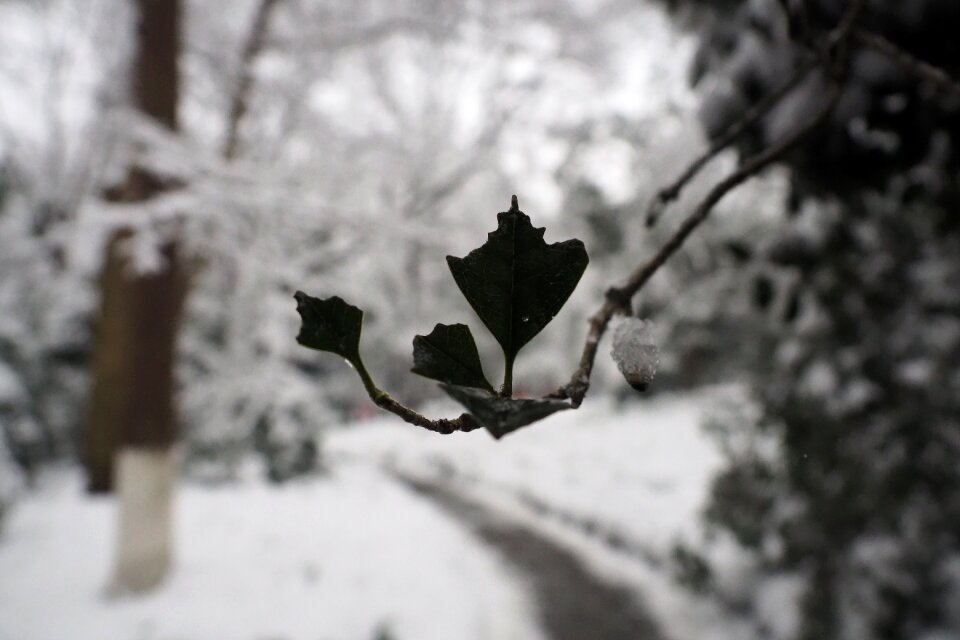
911 63
579 383
759 109
836 40
832 59
576 389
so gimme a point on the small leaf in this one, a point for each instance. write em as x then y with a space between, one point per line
449 354
516 282
500 415
330 325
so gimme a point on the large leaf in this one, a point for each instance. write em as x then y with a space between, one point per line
500 415
330 325
516 282
449 354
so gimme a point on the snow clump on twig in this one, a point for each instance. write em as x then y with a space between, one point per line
634 351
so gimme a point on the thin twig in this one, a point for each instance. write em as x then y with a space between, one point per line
617 298
388 403
443 425
576 389
239 100
758 110
911 63
842 31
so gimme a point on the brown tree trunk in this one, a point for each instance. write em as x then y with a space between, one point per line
132 391
132 408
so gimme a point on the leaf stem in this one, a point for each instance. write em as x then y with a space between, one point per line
372 389
507 389
386 402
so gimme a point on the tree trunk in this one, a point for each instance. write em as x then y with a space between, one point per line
132 419
145 481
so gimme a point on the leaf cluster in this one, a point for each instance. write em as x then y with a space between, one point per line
515 282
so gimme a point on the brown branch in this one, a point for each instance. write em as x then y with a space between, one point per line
240 99
842 30
758 110
837 37
579 383
443 425
908 61
618 298
386 402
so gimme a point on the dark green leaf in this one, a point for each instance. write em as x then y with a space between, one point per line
500 415
330 325
449 354
516 282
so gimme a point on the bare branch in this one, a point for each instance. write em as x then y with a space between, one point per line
842 30
837 38
386 402
911 63
442 425
239 100
757 111
619 297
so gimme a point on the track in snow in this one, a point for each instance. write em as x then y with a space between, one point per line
573 603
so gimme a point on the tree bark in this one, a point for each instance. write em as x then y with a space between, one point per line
132 407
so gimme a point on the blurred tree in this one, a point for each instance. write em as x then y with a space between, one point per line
859 295
52 154
132 425
421 98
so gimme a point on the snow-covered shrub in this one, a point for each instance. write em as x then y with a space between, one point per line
43 329
11 482
859 383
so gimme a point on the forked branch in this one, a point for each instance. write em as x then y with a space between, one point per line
916 66
831 60
750 117
576 389
618 298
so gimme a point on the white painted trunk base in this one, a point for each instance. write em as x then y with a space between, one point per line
144 482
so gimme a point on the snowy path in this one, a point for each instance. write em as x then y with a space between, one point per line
604 492
351 556
521 539
572 602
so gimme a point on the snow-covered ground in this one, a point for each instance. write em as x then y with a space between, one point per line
641 470
342 558
618 485
357 553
